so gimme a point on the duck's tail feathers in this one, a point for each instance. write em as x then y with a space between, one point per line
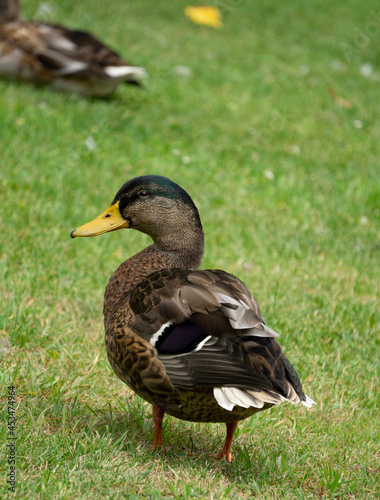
126 73
63 65
308 402
228 397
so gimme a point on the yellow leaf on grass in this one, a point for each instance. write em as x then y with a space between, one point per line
205 14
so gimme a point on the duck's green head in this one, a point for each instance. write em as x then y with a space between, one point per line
151 204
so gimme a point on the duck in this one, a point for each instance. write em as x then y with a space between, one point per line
191 342
64 59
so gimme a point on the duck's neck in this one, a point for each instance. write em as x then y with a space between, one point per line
182 248
184 251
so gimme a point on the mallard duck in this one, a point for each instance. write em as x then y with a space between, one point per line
67 60
191 342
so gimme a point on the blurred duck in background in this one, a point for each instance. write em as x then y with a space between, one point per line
66 60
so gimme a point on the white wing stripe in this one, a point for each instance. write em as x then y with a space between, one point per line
158 333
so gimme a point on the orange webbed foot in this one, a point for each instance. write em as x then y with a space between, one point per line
158 417
226 454
223 455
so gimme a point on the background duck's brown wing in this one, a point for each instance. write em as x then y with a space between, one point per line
83 45
66 52
44 48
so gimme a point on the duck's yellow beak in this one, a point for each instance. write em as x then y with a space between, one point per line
110 220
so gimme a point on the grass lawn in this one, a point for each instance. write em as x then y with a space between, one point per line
274 131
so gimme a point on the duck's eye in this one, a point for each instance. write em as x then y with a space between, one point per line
107 215
142 194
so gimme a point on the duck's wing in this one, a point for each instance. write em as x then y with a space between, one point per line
208 332
84 47
65 52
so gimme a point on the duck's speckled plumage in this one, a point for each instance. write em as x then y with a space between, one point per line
193 343
67 60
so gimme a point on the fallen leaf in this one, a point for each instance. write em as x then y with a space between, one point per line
341 101
205 14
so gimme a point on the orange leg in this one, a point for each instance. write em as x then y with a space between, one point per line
158 417
226 450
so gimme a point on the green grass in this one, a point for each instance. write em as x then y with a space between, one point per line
287 183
